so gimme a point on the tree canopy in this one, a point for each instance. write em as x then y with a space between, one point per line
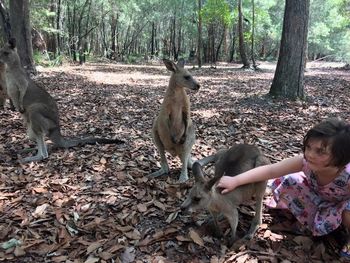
130 30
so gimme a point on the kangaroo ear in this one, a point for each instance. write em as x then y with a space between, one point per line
198 173
170 65
181 63
12 43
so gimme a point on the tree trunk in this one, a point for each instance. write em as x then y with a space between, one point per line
21 30
233 46
5 22
289 76
51 37
241 37
58 39
253 33
153 35
114 20
199 49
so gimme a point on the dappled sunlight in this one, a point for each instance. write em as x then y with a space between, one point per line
207 113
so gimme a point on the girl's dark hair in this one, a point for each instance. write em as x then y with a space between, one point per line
335 133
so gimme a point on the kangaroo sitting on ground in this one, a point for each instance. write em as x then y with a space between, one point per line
40 109
173 130
204 193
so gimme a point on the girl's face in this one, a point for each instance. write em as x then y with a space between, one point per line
317 154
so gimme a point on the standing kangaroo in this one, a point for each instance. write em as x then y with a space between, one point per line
40 109
204 193
173 130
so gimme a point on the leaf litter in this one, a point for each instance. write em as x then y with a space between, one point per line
96 204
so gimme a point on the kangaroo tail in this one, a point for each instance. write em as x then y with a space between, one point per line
211 158
62 142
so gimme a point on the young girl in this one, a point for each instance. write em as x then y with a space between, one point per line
315 186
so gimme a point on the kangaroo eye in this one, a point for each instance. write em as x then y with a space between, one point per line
187 77
196 199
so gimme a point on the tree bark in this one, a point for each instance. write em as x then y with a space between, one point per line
21 30
5 22
241 37
253 35
289 75
199 48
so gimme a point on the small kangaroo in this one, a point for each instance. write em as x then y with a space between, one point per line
173 130
204 193
16 78
40 109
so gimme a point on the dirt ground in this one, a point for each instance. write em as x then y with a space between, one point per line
96 204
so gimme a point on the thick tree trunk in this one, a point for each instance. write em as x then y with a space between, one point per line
21 30
289 76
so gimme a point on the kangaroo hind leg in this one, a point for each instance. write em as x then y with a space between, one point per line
185 155
257 220
163 161
38 126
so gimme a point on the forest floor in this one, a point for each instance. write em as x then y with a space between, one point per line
96 204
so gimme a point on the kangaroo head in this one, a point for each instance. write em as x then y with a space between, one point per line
8 54
199 196
181 77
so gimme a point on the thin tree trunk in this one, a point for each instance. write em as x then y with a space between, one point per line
253 35
199 48
241 36
58 28
5 22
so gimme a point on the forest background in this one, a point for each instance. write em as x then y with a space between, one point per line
134 31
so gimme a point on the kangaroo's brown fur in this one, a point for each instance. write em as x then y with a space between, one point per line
40 109
173 130
204 193
16 79
3 88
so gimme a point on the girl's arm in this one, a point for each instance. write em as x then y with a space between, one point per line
261 173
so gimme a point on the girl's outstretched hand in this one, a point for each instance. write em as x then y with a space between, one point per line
227 184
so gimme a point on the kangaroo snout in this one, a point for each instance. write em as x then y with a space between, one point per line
196 87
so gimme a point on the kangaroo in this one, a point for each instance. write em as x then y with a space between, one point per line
40 109
204 193
173 130
3 88
16 80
